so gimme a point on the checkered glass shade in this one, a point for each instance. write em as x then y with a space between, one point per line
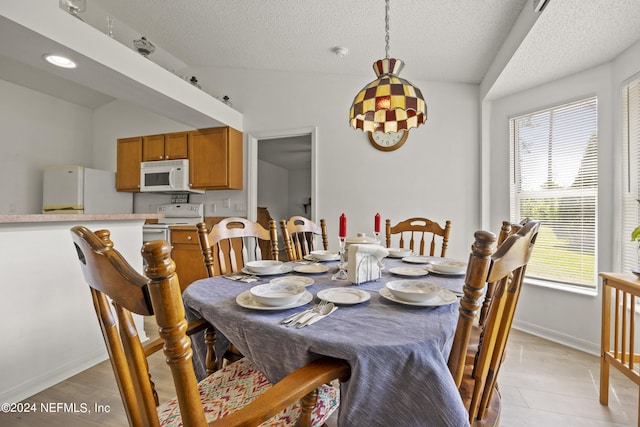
389 103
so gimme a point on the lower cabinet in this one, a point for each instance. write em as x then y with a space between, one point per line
187 255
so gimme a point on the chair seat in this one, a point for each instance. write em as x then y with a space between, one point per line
237 384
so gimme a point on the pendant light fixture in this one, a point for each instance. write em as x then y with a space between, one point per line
389 103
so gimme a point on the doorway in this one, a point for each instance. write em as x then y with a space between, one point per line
278 162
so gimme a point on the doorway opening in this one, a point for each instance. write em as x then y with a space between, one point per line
282 173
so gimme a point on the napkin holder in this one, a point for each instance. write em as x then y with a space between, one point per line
364 263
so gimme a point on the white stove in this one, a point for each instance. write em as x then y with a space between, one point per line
174 214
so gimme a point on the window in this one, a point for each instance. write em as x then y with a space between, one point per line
554 158
631 167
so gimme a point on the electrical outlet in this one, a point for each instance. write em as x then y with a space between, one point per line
226 203
239 207
213 208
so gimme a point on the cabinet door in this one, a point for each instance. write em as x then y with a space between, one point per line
175 145
188 257
215 159
129 156
153 148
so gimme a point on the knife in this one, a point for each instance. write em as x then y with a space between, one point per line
295 316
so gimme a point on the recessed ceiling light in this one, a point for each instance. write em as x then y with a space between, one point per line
59 61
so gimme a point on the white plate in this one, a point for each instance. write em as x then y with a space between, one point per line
434 271
284 269
246 300
395 255
444 297
449 266
417 259
344 295
310 257
306 281
310 268
409 271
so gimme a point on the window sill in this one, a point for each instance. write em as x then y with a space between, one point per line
593 292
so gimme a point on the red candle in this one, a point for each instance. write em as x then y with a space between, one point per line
377 223
343 226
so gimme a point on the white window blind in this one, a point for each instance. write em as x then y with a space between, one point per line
630 166
554 170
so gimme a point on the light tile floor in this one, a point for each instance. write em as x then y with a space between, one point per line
543 384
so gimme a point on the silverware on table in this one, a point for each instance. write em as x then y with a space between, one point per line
323 312
303 315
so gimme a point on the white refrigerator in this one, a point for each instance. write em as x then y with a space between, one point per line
76 189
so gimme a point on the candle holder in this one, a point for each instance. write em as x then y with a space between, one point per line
342 267
377 236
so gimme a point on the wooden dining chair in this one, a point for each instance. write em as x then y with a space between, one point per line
505 269
233 242
140 281
418 231
237 395
508 228
299 235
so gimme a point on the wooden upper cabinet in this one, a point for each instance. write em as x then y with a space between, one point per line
164 147
176 146
129 156
215 159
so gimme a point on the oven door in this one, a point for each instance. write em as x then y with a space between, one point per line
155 232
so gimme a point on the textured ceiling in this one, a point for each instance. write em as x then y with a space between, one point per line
441 40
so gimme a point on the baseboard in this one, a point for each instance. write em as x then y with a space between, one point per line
53 377
558 337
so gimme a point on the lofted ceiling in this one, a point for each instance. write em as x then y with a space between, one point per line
485 42
439 40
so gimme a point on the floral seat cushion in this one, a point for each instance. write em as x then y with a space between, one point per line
237 384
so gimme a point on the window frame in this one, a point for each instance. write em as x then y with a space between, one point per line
588 283
630 210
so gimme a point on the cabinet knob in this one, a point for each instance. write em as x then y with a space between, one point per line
188 237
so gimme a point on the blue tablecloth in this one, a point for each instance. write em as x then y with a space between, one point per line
397 353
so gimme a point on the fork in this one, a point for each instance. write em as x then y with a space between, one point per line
316 309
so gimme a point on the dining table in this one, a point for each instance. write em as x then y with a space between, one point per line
397 350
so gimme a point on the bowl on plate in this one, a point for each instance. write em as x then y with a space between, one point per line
399 252
413 290
449 266
323 255
264 266
277 294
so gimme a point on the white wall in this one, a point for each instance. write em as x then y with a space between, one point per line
51 331
299 192
273 189
37 131
559 315
435 174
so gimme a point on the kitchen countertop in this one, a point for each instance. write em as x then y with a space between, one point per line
33 218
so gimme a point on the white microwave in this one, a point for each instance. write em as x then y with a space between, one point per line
165 176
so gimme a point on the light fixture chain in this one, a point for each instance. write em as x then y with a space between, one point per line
386 27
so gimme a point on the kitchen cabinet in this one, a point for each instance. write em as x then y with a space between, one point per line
215 159
164 147
187 255
129 156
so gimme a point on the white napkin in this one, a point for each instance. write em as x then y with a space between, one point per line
315 319
364 262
